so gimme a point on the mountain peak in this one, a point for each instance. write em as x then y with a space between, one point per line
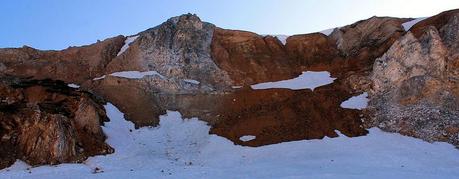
185 17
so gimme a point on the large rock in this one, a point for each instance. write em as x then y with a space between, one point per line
368 36
415 82
46 122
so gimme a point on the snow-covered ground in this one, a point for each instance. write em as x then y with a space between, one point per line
127 42
307 80
407 25
357 102
182 148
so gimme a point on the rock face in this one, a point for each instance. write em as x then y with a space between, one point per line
415 82
204 71
237 59
279 115
72 65
250 58
177 49
46 122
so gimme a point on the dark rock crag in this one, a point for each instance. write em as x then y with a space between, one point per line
46 122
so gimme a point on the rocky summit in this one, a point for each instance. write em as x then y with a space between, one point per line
51 101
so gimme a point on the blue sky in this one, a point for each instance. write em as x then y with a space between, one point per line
57 24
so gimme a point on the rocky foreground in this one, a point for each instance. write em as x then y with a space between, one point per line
411 75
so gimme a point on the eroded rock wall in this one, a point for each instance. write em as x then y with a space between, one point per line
46 122
415 82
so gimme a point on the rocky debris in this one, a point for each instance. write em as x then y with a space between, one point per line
72 65
46 122
414 88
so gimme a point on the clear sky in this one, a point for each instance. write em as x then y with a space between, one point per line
57 24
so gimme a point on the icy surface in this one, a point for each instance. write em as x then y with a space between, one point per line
132 74
407 25
73 85
247 138
183 148
127 42
357 102
307 80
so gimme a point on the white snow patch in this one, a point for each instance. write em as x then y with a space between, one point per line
99 78
307 80
357 102
247 138
192 81
127 42
136 74
72 85
407 25
236 87
282 38
183 148
19 165
327 32
132 74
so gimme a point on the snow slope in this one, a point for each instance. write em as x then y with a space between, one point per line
407 25
307 80
127 42
182 148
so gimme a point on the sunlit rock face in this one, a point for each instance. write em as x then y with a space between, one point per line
415 82
178 49
72 65
46 122
198 81
242 83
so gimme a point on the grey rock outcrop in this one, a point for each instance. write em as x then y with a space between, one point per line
414 88
179 50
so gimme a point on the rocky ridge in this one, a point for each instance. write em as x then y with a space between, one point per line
197 66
